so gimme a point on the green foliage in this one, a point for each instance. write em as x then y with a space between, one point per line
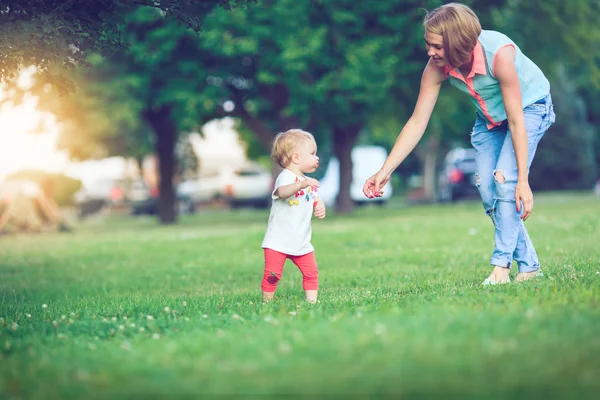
566 157
59 187
134 310
59 34
547 29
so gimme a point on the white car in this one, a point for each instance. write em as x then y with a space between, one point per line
201 190
250 185
366 160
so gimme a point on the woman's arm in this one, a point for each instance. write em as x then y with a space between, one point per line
412 132
506 73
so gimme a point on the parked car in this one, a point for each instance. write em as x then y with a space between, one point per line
457 179
250 185
143 199
366 160
96 194
201 190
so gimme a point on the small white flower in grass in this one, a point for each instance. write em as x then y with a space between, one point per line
292 313
149 317
155 336
142 329
167 309
63 317
380 329
14 326
82 375
125 318
185 303
72 314
44 305
235 316
28 315
104 320
285 348
251 303
132 325
187 318
55 323
114 318
597 272
121 327
204 316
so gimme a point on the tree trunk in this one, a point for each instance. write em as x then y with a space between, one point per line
165 131
344 139
428 156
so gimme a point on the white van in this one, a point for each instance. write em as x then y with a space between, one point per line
366 160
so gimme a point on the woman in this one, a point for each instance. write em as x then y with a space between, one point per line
513 111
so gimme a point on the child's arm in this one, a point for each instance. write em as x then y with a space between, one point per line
320 209
285 191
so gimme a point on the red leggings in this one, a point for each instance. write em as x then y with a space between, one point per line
274 261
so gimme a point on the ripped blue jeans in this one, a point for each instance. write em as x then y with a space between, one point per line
497 179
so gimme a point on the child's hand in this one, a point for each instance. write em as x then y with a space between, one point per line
310 182
320 210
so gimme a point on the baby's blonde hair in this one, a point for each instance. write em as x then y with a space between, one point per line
460 28
286 142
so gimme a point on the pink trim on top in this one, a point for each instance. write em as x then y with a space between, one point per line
477 68
494 61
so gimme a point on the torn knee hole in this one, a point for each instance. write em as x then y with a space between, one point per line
499 176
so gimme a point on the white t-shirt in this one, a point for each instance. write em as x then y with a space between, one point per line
289 229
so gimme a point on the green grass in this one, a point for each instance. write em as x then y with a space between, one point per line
401 310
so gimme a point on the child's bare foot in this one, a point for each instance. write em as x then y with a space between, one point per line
498 275
268 296
311 295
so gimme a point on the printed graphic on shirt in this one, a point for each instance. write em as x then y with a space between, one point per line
307 194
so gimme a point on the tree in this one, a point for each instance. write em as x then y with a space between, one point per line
61 33
152 85
323 66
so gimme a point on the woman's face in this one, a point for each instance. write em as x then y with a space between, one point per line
435 48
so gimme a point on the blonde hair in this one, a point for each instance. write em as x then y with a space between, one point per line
286 142
460 28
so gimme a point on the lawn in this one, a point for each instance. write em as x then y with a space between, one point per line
122 307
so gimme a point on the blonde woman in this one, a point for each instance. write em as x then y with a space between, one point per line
514 109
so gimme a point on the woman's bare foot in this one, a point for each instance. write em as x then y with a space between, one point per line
523 276
498 275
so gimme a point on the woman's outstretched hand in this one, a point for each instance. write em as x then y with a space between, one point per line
374 184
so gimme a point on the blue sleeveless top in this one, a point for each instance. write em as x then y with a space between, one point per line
483 87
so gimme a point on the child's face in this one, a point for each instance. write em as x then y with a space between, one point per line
305 156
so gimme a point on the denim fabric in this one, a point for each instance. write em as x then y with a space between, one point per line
495 154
